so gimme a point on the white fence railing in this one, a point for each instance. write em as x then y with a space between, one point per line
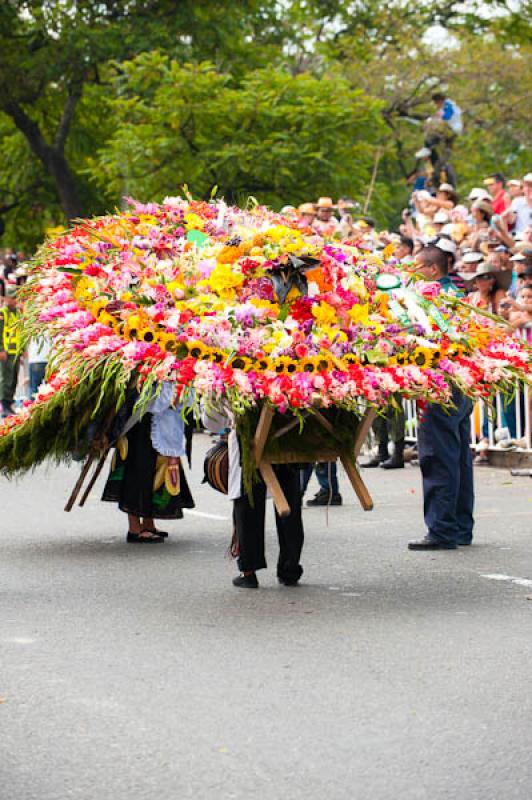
505 426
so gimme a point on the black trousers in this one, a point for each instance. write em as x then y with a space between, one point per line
249 525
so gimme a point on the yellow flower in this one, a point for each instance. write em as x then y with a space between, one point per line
359 313
350 358
167 342
324 314
175 284
198 350
422 356
193 221
224 280
241 362
146 335
284 364
292 294
106 319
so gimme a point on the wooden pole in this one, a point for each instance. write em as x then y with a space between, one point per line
371 187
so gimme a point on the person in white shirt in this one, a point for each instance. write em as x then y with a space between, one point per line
520 211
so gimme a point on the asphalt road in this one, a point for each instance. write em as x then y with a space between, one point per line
140 672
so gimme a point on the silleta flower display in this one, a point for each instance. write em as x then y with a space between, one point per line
246 307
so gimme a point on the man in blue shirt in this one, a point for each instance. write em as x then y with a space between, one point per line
444 449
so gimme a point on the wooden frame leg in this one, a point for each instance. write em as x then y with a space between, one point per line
79 483
270 479
357 483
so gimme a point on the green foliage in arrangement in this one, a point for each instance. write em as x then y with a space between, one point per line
62 428
283 101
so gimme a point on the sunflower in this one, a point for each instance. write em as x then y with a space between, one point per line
198 350
106 319
350 358
97 307
455 351
146 335
312 364
241 362
401 358
167 342
132 326
422 356
283 365
264 364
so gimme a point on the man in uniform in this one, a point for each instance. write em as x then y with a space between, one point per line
9 360
444 449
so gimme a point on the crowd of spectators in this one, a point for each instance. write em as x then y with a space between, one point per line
487 239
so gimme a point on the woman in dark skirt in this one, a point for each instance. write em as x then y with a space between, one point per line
147 479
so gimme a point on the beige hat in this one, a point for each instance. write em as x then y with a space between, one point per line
527 178
306 208
514 182
478 194
472 256
489 181
446 187
325 202
503 278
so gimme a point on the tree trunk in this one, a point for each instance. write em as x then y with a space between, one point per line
66 184
52 157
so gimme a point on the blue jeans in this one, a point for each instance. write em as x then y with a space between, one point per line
37 373
323 469
446 466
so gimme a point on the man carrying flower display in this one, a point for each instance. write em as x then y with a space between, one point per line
249 510
444 449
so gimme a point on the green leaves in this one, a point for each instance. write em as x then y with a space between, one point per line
281 137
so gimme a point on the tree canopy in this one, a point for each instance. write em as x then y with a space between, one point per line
282 100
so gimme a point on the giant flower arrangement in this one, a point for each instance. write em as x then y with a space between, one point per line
240 306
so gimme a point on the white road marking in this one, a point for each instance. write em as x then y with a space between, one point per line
19 640
509 578
203 514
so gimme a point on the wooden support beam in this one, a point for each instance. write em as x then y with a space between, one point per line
365 424
79 483
270 479
261 434
357 483
94 478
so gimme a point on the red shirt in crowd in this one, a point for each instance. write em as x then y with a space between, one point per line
501 202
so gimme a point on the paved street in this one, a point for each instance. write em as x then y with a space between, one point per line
139 672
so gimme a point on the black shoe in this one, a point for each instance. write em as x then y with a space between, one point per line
464 542
395 462
325 499
288 581
429 543
376 461
137 538
246 581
